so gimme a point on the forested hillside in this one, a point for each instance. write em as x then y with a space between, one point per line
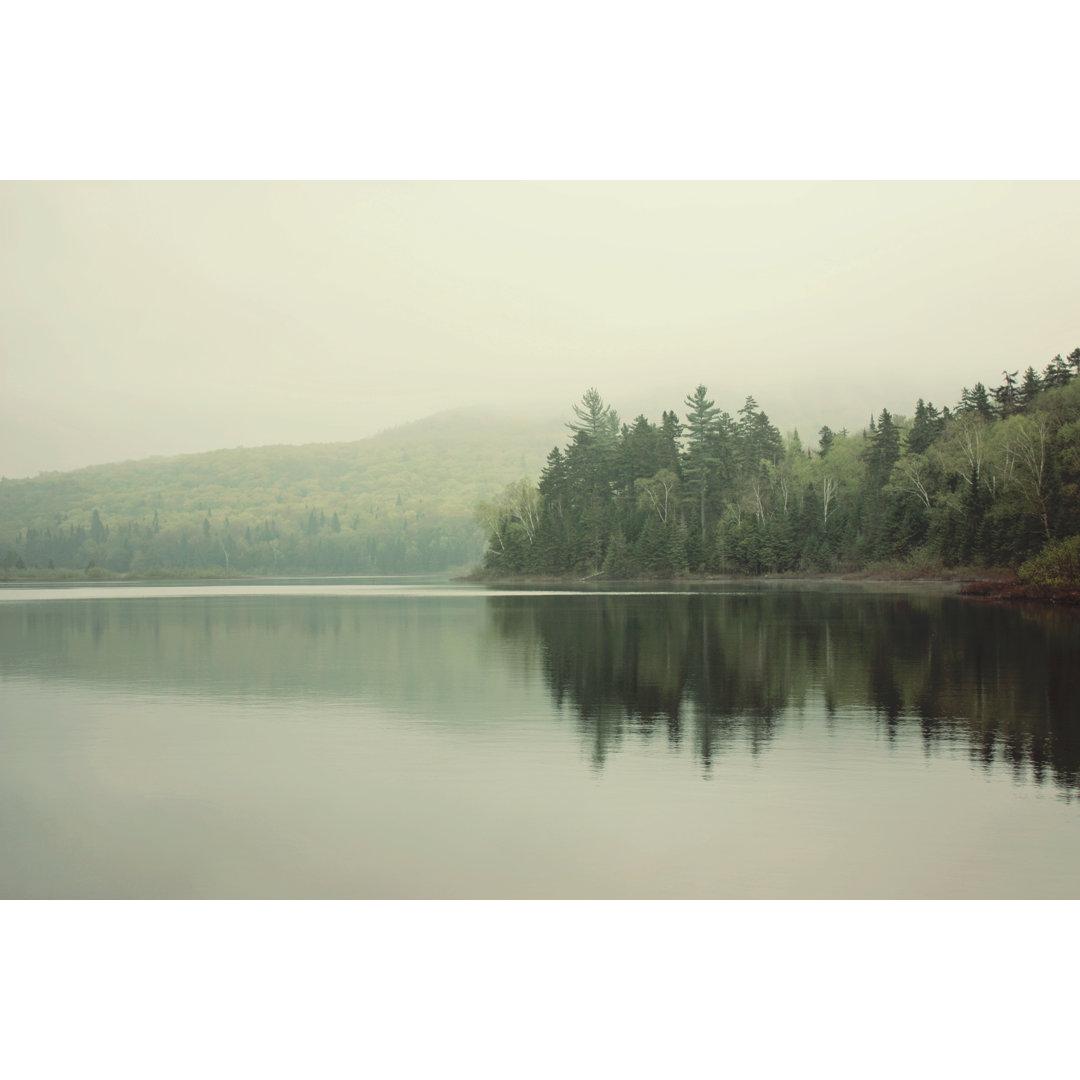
400 502
992 480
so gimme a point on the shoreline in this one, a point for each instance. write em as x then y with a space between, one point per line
999 584
882 575
1016 592
992 585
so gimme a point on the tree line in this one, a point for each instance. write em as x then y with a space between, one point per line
291 544
400 502
990 481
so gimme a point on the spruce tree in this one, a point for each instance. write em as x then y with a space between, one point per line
1030 387
977 400
925 428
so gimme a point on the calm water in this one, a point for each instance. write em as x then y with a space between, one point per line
433 740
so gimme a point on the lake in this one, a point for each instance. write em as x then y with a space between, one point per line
420 738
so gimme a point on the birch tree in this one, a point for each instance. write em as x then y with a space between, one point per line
1025 449
658 493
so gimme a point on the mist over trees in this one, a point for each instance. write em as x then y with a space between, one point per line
401 502
993 481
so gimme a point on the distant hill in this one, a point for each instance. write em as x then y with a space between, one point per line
401 501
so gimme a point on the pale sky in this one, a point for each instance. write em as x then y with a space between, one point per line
160 318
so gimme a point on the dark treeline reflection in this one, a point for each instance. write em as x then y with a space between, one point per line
716 669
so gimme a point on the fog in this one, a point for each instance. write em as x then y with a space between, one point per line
143 318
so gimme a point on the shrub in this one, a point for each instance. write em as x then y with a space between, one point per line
1057 564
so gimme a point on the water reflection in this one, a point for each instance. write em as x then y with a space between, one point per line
702 673
717 669
394 651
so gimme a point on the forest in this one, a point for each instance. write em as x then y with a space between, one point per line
991 481
399 502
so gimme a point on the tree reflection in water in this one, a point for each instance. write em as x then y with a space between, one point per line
725 668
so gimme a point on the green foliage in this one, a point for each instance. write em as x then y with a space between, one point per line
1057 564
702 445
981 484
401 502
926 426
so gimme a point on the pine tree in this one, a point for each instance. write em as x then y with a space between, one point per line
594 418
702 458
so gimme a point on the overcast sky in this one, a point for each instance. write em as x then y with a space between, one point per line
160 318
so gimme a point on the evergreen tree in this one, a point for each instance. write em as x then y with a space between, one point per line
884 449
671 432
554 533
977 401
594 419
759 441
826 438
1007 395
1030 387
619 562
1056 373
926 426
702 458
639 454
590 464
